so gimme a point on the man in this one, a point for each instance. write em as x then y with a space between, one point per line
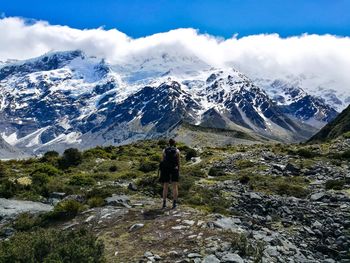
169 171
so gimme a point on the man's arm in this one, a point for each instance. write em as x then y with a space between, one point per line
178 159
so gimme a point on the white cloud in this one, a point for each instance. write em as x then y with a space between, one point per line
324 56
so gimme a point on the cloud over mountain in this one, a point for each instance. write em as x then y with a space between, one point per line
325 56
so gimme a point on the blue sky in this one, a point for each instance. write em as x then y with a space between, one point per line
217 17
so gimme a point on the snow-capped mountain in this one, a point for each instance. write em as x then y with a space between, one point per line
66 99
295 101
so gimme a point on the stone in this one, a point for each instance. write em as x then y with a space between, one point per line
78 198
8 231
194 255
316 224
118 200
11 208
148 254
179 227
254 196
211 259
132 186
308 230
135 227
188 222
87 220
232 258
292 169
57 195
317 196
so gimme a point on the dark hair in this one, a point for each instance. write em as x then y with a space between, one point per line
172 142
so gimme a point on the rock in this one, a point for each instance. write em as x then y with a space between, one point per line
316 224
11 208
179 227
188 222
211 259
87 220
8 231
135 227
148 254
78 198
272 252
132 186
254 196
307 229
232 258
194 255
292 169
118 200
317 196
57 195
157 257
227 223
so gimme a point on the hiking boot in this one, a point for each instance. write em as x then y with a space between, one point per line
174 204
164 204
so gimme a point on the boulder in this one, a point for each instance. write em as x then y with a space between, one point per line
211 259
232 258
118 200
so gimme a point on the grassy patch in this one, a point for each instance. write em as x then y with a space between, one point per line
49 245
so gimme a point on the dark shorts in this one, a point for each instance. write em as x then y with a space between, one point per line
168 176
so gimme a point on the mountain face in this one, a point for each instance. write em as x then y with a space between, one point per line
294 101
7 151
334 129
66 99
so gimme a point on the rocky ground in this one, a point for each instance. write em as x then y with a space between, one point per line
282 204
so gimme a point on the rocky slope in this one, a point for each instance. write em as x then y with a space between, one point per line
256 203
65 99
336 128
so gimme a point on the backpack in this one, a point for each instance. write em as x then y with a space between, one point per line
170 158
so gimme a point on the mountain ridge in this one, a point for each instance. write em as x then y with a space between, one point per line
64 99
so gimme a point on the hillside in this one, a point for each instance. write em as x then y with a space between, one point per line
334 129
239 203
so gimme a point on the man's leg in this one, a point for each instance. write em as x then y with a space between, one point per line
175 194
165 193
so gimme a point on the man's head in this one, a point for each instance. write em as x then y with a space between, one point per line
172 142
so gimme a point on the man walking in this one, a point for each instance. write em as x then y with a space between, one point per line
169 171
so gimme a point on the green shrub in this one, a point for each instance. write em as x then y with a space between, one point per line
3 170
216 171
102 192
26 221
50 157
347 135
244 179
96 202
66 209
194 171
150 185
243 164
285 188
45 168
157 157
346 154
306 153
148 166
71 157
8 189
50 245
40 179
113 168
162 143
335 184
81 180
97 152
191 153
